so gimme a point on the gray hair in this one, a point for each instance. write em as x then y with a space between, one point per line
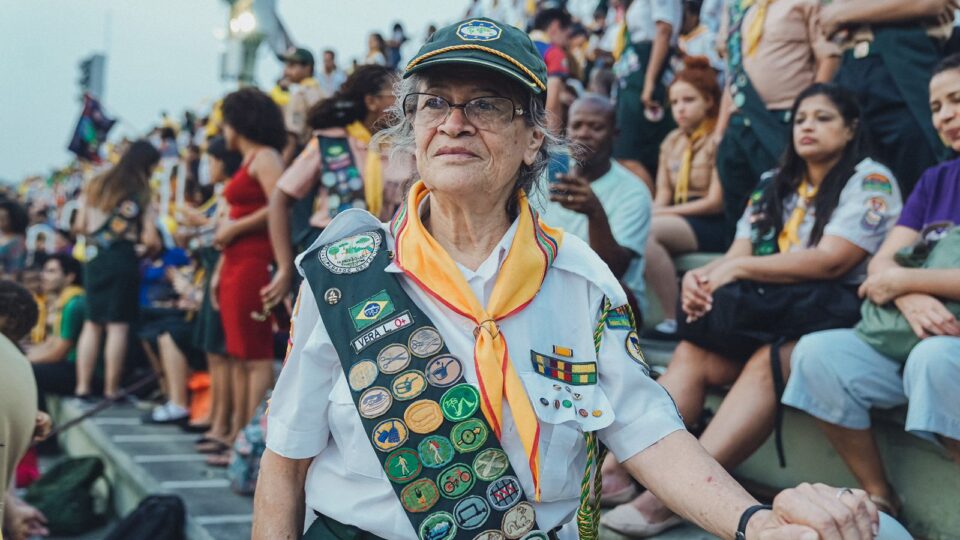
398 134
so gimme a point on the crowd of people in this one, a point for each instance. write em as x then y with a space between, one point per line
809 146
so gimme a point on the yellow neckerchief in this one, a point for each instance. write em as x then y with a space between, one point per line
620 44
372 171
279 96
533 250
755 31
39 332
309 82
68 294
789 236
693 34
681 193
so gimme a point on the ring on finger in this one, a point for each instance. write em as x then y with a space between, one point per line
843 491
569 198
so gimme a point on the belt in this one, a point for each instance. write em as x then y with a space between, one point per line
327 528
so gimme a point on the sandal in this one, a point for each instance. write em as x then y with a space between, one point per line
212 447
221 459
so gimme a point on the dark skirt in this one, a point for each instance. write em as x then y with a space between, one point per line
112 283
710 232
208 328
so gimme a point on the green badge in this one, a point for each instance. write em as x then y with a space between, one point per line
420 495
460 402
455 481
435 451
619 319
371 310
350 255
402 466
490 464
469 435
438 526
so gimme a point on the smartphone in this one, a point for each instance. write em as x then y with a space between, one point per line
558 166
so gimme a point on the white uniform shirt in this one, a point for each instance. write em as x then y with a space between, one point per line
868 208
643 15
312 414
628 205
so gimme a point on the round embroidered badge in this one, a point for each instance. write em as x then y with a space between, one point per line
374 402
350 255
460 402
443 371
471 513
503 493
423 416
425 342
469 435
402 465
438 526
420 495
362 375
455 481
490 464
389 434
519 520
490 535
393 359
435 451
408 385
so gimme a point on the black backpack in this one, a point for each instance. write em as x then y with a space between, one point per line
158 517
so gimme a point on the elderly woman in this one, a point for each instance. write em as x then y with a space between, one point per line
432 390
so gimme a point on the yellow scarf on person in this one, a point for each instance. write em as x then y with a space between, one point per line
39 332
532 253
755 31
372 171
68 294
681 193
790 236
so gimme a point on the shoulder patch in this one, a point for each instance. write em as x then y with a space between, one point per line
877 182
352 254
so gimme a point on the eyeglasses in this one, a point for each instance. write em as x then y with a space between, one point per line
488 113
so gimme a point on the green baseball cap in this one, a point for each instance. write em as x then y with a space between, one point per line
486 43
297 55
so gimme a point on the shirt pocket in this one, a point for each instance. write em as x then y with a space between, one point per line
358 454
565 413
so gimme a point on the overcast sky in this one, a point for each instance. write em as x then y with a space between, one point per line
161 55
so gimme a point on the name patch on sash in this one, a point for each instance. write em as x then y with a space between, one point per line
379 332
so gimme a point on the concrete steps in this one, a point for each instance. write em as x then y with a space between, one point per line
142 460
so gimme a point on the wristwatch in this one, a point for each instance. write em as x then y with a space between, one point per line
745 518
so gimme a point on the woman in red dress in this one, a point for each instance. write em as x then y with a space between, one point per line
253 126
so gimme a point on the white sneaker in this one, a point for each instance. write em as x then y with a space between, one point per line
667 326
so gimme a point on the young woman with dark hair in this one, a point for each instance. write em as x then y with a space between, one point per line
253 126
13 247
337 170
813 222
115 216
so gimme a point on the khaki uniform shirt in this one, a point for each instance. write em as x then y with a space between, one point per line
18 411
302 97
703 168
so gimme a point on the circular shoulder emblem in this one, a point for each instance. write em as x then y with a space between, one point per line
420 496
460 402
476 30
374 402
443 371
408 385
393 358
490 464
455 481
425 342
438 526
389 434
423 416
402 466
469 435
350 255
519 520
435 451
471 513
129 209
362 375
633 348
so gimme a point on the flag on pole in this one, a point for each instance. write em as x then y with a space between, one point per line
91 130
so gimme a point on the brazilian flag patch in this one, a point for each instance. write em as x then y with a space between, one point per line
371 310
577 373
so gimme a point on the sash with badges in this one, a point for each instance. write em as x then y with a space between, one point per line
122 220
423 419
340 176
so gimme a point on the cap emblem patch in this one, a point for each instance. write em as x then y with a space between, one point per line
477 30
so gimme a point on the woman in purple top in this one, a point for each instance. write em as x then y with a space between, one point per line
837 377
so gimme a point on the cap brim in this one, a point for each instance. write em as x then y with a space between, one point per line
482 60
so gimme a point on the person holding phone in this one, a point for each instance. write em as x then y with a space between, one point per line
599 200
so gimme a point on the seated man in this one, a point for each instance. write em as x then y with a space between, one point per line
601 201
54 360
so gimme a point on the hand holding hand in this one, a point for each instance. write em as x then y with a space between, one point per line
883 286
809 512
695 297
927 315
